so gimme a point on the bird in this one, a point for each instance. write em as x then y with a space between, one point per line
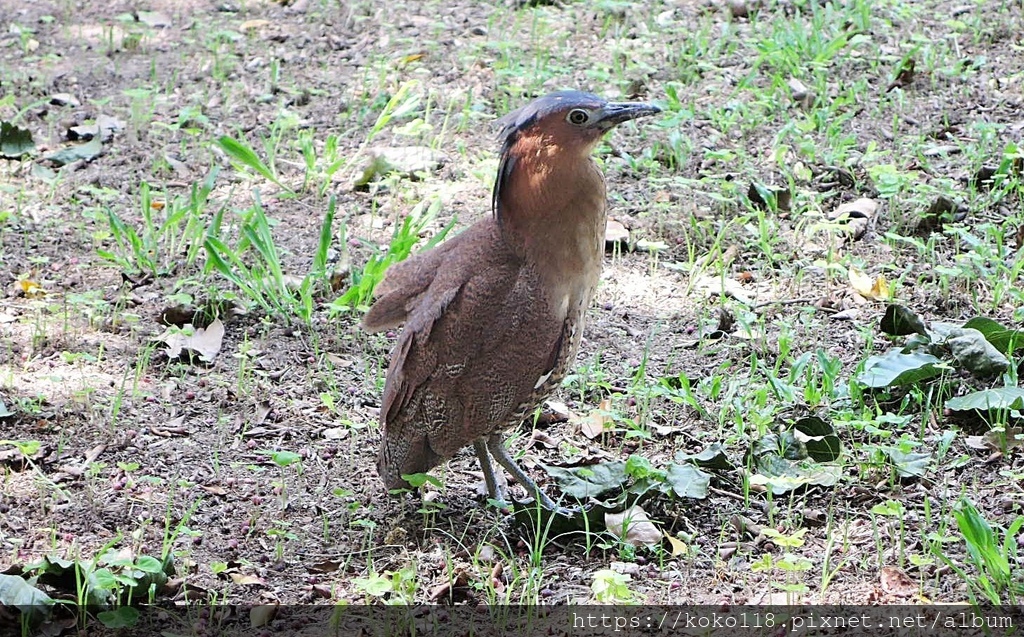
493 317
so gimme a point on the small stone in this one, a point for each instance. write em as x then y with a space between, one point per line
64 99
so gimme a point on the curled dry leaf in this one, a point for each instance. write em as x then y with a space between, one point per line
800 93
262 614
876 289
857 214
615 232
633 526
555 411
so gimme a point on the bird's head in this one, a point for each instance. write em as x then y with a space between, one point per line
559 127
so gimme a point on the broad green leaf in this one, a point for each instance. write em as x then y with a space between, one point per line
989 399
284 458
819 438
89 150
1003 339
15 141
909 464
18 593
639 468
246 156
901 321
711 458
590 481
123 617
894 368
149 564
375 585
975 354
783 462
688 481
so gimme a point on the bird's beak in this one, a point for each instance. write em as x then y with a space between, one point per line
614 113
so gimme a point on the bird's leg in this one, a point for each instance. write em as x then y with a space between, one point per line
494 488
497 448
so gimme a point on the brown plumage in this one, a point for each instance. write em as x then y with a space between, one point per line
493 317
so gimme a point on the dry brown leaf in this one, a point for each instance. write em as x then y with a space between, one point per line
173 427
615 232
337 433
541 438
249 25
245 580
204 342
678 546
896 582
262 614
857 215
598 421
800 93
994 440
633 526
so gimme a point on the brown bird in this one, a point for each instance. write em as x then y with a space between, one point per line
493 317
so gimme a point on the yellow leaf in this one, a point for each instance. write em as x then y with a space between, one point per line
412 58
876 289
248 25
880 289
678 546
30 288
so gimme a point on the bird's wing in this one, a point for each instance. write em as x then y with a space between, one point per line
472 351
403 284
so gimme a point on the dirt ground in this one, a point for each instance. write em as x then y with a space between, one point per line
153 455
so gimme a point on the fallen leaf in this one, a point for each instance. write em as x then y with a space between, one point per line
104 127
876 289
245 580
262 614
994 440
615 232
896 582
84 152
404 160
633 526
154 19
204 342
543 439
856 214
65 99
678 546
800 93
598 421
15 141
249 25
336 433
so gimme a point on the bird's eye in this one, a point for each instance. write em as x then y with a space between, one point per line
578 116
